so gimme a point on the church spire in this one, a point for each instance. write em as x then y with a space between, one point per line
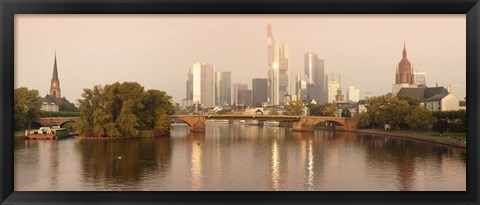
55 83
404 51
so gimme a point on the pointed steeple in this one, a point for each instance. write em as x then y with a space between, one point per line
404 51
55 72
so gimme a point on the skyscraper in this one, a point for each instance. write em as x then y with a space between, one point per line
420 78
404 77
223 88
245 98
278 61
203 83
353 94
301 87
333 87
237 87
55 82
259 91
315 71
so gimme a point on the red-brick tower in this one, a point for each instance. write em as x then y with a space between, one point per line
404 70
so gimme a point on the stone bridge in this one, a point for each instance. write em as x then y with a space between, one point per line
54 121
300 123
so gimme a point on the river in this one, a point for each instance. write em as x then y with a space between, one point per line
240 157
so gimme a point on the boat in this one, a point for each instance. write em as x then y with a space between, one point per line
271 123
239 122
48 133
220 121
251 122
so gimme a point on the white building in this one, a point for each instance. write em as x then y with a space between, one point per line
203 83
50 107
419 78
447 102
353 94
332 90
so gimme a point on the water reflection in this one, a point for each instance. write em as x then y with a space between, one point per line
239 157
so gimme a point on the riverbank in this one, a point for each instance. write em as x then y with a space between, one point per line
452 139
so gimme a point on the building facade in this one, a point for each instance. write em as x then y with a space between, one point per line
333 87
339 98
259 91
420 78
454 89
223 88
278 62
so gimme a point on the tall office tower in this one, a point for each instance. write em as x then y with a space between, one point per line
203 83
237 87
332 83
333 87
315 71
189 85
353 94
301 88
404 77
420 78
278 61
454 89
223 88
245 98
259 91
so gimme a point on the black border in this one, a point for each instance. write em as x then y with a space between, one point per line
10 7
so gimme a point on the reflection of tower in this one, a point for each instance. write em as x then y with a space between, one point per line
275 175
406 171
196 164
55 83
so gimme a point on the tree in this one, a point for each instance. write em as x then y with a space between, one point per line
27 104
346 113
314 110
123 110
273 112
328 110
387 110
363 119
419 118
295 108
441 126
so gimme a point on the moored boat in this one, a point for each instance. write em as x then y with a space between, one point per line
272 123
251 122
239 122
48 133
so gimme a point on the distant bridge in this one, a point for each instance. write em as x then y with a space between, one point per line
197 122
300 123
54 121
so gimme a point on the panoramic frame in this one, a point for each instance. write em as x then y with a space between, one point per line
240 103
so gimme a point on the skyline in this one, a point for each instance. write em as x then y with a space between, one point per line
102 50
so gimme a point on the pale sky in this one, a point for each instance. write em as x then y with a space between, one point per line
158 50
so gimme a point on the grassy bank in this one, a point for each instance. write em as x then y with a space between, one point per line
454 139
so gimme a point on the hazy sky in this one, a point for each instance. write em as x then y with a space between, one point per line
158 50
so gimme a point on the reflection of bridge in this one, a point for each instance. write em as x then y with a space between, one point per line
54 121
300 123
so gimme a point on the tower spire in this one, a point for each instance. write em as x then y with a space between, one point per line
404 51
55 83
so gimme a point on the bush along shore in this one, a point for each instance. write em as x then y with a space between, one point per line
453 139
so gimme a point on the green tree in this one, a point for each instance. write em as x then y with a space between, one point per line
314 110
346 113
387 110
328 110
273 112
419 118
123 110
295 108
27 104
363 119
